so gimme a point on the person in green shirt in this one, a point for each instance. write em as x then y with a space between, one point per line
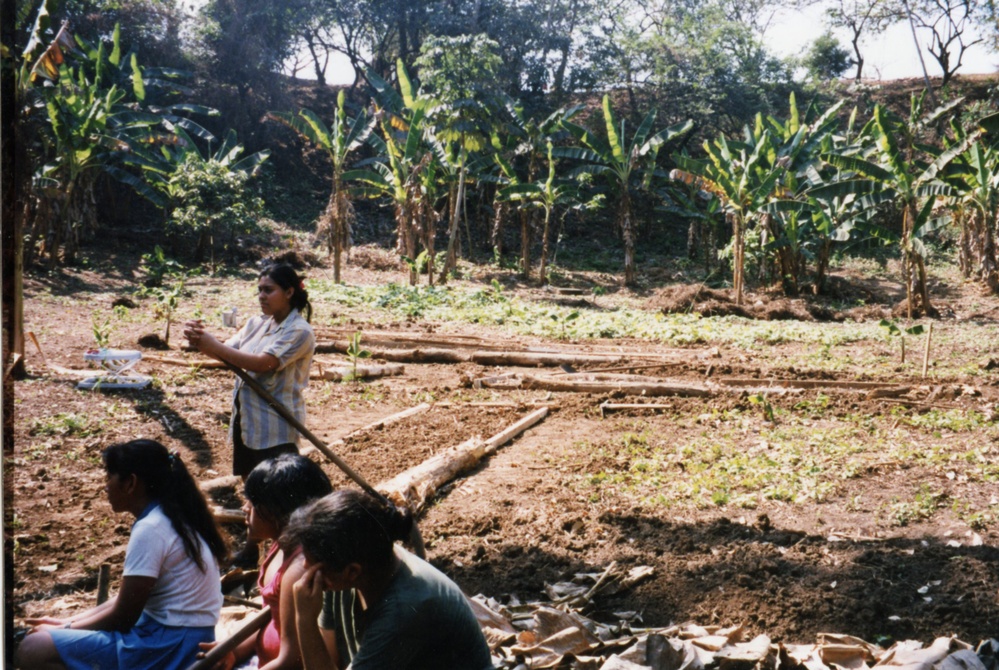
366 604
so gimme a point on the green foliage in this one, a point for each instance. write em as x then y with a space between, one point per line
213 199
102 330
158 266
167 300
355 353
826 58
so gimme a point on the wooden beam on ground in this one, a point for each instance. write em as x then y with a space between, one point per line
414 355
803 383
650 388
225 481
624 406
339 373
223 515
219 651
199 362
416 486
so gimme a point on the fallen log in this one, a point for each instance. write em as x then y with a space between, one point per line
187 362
618 406
417 355
540 359
649 388
360 372
804 383
223 515
223 482
416 486
222 649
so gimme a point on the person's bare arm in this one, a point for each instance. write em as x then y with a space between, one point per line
209 345
318 647
121 612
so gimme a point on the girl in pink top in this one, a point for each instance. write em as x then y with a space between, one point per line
273 490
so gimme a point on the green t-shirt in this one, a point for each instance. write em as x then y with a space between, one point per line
422 622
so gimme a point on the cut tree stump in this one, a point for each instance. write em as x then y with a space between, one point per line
416 486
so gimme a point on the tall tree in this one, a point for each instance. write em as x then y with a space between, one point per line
947 23
863 18
459 74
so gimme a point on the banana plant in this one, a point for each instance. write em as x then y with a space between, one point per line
622 163
342 138
520 146
913 174
738 175
975 207
545 195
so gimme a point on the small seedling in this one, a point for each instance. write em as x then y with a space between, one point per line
167 300
102 331
768 409
893 330
562 320
355 353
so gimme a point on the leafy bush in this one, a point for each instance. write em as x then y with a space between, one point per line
213 201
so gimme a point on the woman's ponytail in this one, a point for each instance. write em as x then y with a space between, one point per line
169 483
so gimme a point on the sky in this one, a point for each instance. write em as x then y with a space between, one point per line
891 55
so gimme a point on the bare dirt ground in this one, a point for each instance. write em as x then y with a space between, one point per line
898 540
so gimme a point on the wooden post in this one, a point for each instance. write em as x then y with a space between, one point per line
926 351
103 583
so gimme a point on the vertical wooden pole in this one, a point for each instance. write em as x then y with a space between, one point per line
926 351
103 583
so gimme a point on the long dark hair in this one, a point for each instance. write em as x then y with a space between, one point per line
285 276
280 485
168 482
349 526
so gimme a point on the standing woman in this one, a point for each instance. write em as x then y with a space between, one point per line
377 605
170 595
276 348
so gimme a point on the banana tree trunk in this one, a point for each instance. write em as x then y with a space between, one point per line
822 266
738 256
451 260
543 272
907 276
496 236
525 243
628 237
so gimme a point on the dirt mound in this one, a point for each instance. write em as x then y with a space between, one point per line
698 298
371 257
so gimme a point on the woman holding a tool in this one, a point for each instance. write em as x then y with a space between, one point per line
276 348
169 600
377 605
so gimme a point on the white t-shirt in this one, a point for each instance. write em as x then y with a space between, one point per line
183 595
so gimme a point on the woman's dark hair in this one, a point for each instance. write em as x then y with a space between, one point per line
349 526
168 482
285 276
279 486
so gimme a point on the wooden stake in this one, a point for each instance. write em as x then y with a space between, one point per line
103 583
926 351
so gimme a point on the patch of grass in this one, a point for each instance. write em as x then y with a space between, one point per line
490 305
66 424
922 507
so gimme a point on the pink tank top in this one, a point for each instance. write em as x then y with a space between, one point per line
269 639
